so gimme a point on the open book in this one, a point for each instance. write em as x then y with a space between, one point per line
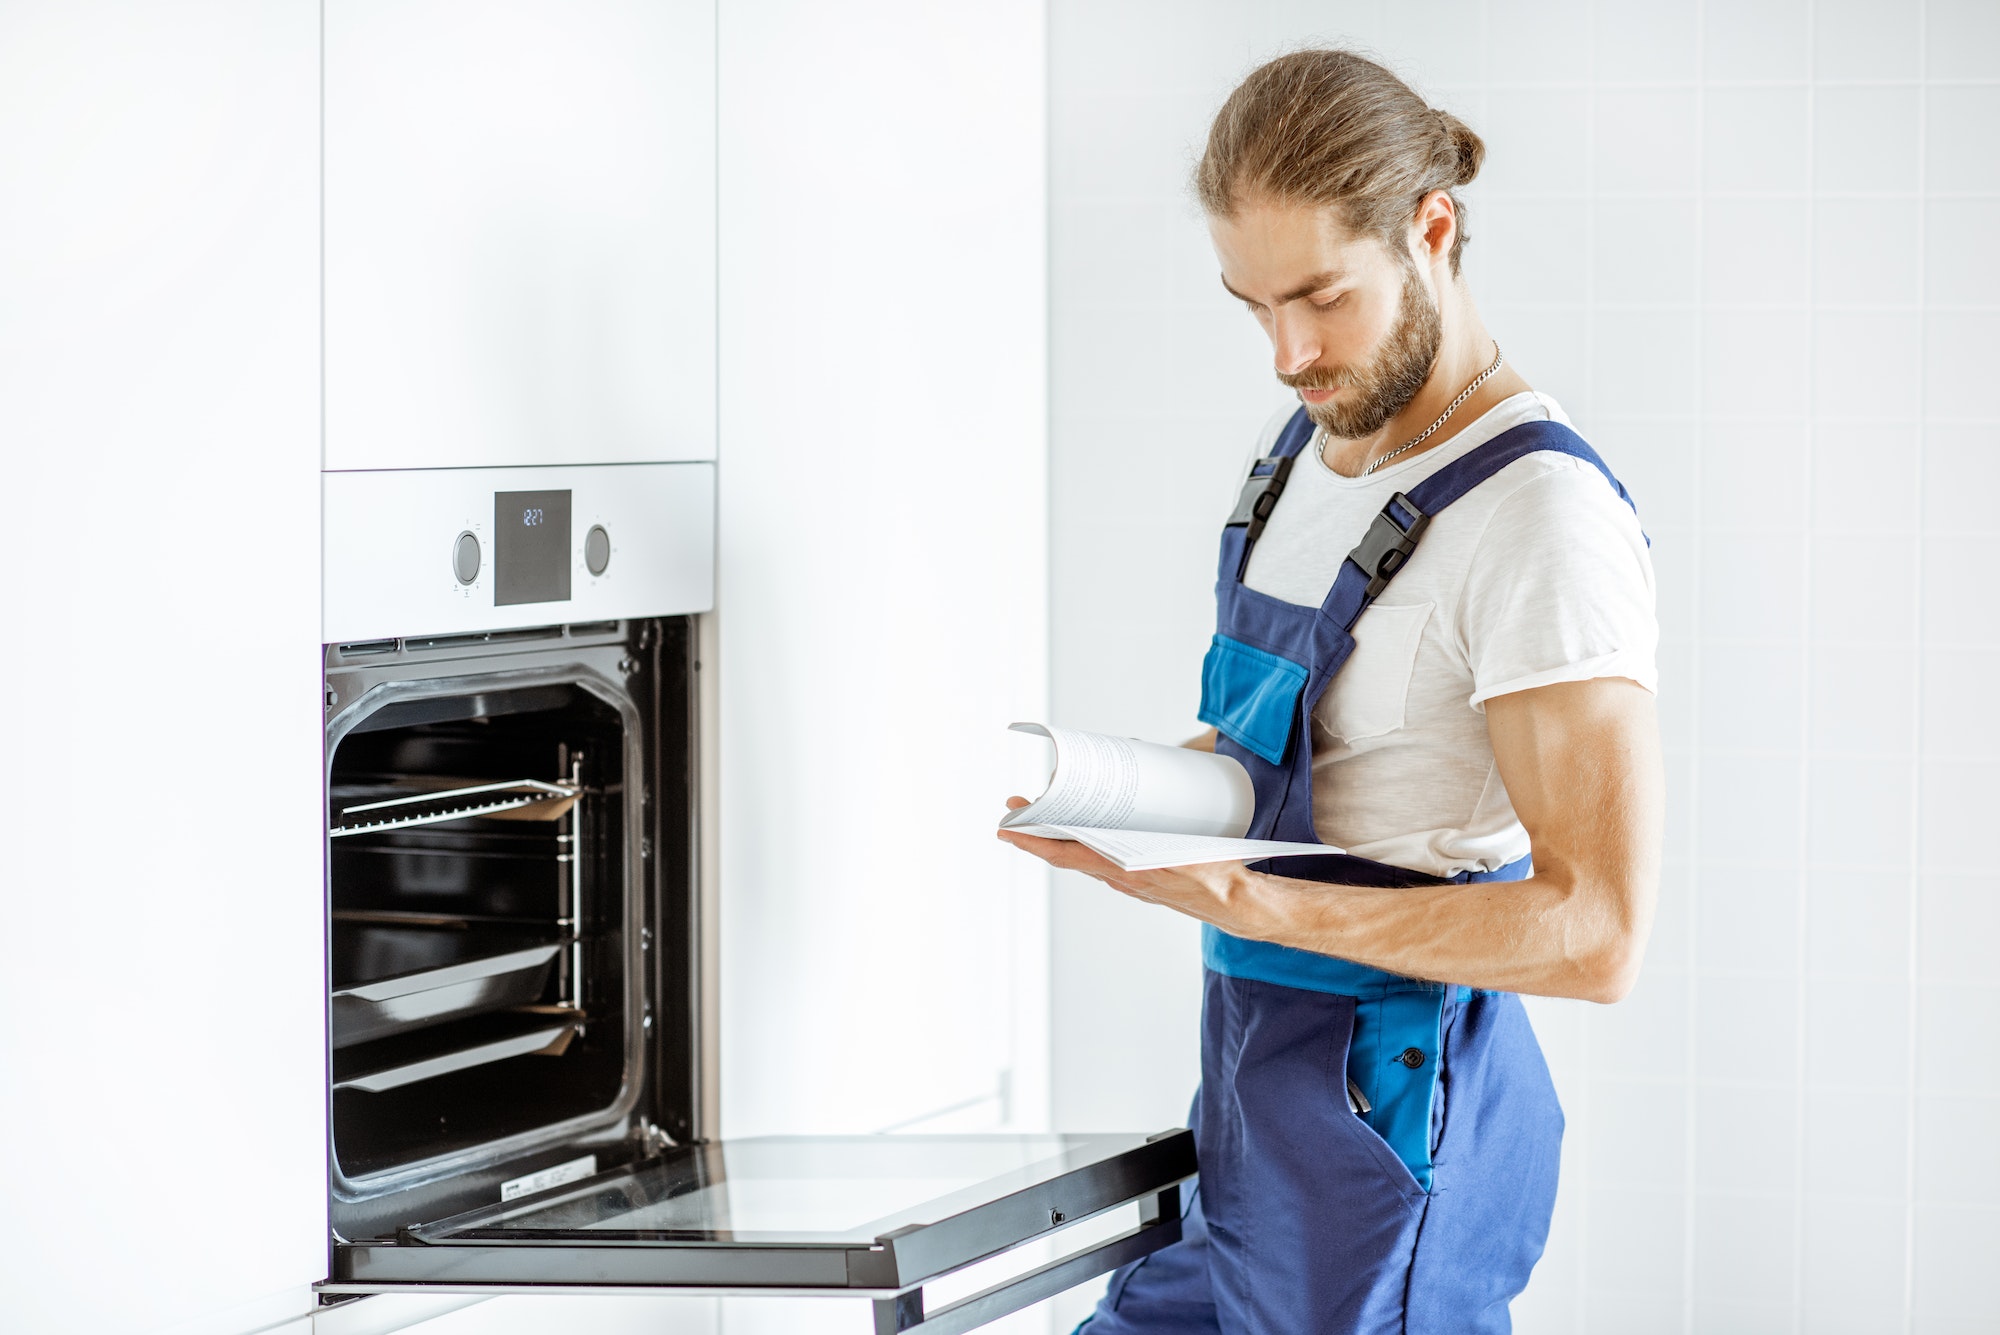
1144 805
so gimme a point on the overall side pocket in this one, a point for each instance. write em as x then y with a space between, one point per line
1353 1126
1251 696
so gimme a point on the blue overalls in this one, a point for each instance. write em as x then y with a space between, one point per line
1377 1153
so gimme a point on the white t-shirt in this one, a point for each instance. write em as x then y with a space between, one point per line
1537 575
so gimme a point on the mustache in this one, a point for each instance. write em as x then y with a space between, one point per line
1320 377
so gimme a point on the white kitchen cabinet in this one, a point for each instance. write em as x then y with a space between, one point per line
170 318
162 1084
881 587
520 232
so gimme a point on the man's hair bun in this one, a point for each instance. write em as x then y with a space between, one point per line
1468 149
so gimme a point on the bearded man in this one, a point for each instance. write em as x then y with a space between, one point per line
1434 653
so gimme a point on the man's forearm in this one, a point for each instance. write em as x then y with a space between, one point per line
1581 764
1547 935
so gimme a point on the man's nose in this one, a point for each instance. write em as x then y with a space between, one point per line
1293 348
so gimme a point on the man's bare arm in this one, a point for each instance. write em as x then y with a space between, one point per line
1581 761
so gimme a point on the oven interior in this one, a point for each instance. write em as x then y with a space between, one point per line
486 883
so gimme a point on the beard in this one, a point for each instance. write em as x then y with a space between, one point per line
1383 385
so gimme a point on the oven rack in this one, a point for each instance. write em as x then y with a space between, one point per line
533 799
391 1063
391 978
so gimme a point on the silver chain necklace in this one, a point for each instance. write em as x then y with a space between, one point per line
1456 404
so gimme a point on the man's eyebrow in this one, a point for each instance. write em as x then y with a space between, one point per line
1305 289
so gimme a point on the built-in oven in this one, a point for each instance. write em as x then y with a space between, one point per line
515 947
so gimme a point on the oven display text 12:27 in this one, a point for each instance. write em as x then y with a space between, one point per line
531 547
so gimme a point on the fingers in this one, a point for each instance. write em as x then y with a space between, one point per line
1016 803
1065 854
1060 852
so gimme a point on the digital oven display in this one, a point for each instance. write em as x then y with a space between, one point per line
531 547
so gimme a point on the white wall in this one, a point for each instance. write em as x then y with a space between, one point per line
1748 246
160 796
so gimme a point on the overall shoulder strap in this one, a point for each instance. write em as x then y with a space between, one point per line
1298 429
1461 475
1266 482
1393 536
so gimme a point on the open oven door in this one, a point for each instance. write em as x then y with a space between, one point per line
869 1217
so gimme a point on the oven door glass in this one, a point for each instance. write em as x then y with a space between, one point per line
875 1216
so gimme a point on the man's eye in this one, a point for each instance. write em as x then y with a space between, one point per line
1333 302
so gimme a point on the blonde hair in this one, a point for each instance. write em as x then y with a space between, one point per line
1335 129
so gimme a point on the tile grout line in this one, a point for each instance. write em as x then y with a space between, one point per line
1807 658
1913 920
1691 1011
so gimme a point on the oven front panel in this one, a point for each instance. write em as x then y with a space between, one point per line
450 550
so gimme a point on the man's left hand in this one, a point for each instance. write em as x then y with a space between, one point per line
1221 893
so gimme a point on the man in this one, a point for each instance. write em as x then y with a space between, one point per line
1434 651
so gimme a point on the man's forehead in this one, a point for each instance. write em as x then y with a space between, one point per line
1281 253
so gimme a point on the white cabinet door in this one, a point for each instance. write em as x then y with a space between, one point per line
162 1005
520 232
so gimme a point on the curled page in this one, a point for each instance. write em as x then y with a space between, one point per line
1120 783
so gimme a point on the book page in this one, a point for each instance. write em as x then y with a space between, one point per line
1141 850
1121 783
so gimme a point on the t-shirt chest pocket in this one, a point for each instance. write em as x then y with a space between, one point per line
1368 696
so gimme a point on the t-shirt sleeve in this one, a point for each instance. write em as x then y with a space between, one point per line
1559 589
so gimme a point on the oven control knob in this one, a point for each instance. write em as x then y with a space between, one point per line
597 549
465 558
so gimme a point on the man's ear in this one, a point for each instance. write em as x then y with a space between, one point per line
1434 228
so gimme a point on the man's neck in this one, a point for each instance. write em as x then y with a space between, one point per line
1466 350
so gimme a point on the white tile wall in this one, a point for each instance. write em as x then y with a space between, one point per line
1847 1288
1749 244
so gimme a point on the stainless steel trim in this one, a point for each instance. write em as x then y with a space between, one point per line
705 990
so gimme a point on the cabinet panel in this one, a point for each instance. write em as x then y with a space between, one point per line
520 232
882 583
162 1014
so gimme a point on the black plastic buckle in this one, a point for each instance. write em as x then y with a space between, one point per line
1387 546
1260 496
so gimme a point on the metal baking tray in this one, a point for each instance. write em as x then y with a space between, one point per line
405 1059
389 979
532 799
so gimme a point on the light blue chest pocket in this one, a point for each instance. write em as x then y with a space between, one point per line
1251 696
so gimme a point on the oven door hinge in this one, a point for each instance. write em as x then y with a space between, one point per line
655 1139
